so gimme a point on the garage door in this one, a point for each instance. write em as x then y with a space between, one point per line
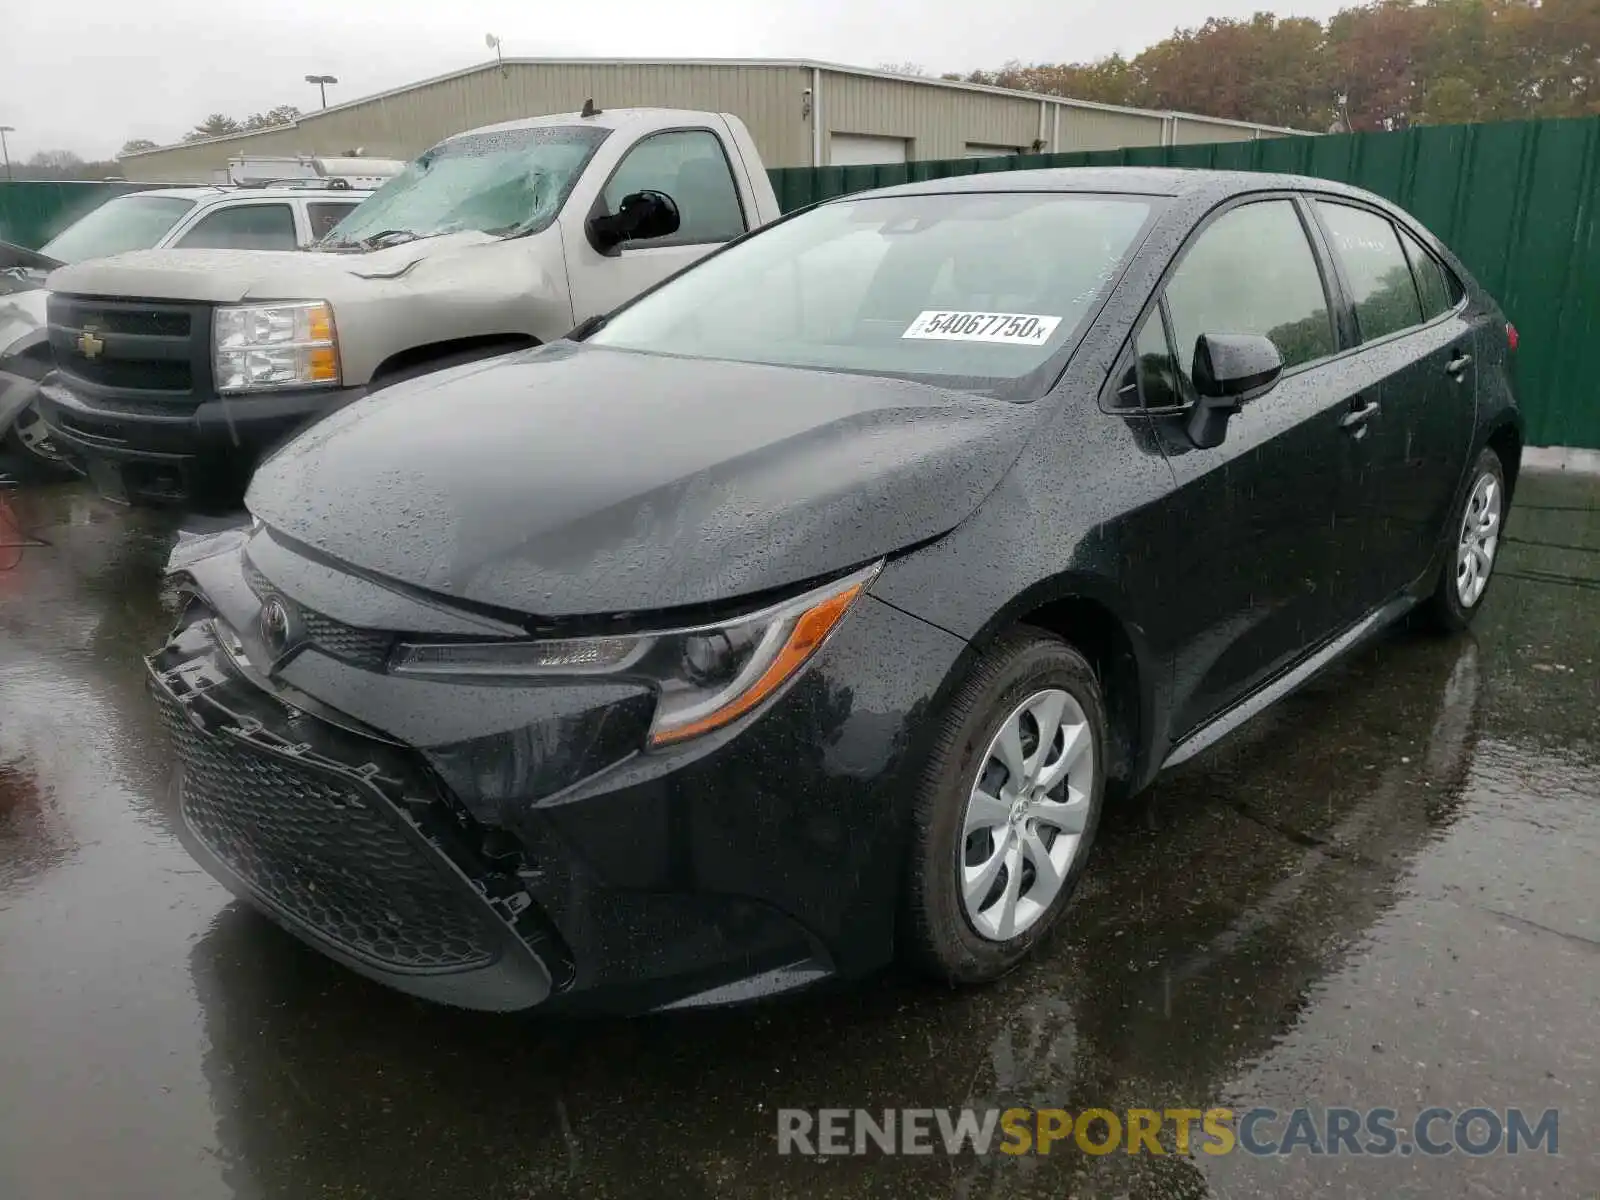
862 149
978 150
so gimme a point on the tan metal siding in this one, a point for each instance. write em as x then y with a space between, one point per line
1190 132
938 122
194 163
1098 129
767 99
937 119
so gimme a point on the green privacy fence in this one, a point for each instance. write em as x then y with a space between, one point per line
1516 200
31 213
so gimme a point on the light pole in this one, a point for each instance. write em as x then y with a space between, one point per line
322 82
5 151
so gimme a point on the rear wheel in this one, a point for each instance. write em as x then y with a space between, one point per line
1007 809
1476 528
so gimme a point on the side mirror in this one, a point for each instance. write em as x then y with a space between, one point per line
1230 369
641 215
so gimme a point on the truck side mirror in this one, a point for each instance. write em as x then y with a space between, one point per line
641 215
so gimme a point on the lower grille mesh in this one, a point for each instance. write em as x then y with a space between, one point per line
322 851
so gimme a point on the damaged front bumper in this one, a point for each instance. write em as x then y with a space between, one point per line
759 860
341 840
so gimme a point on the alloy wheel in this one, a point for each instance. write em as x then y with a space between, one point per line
1026 814
1480 536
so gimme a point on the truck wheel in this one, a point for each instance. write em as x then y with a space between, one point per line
1007 810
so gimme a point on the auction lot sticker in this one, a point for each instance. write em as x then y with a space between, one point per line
1022 329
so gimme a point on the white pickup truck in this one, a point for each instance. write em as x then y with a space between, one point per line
266 216
177 370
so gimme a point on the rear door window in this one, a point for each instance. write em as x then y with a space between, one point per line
1375 268
1252 270
243 227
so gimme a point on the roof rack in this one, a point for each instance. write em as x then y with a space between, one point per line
321 183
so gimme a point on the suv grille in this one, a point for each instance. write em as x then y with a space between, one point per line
328 851
136 355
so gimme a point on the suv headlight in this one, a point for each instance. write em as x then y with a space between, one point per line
705 676
265 347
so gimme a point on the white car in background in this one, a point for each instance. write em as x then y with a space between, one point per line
493 241
287 216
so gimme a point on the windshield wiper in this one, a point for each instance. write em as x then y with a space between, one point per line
395 237
587 327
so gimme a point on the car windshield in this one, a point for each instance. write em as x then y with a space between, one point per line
503 182
973 290
120 224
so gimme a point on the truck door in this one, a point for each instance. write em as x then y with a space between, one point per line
691 166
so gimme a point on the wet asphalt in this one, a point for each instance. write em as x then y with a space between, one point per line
1383 892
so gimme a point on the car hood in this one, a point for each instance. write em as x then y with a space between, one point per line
20 258
232 276
21 314
574 480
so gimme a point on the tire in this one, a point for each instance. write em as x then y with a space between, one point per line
960 940
30 465
1472 547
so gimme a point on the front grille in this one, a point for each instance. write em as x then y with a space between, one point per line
145 374
132 355
363 647
322 849
150 322
367 648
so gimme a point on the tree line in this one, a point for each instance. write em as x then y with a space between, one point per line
1388 64
221 125
64 164
1384 65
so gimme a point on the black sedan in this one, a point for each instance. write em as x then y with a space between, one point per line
804 613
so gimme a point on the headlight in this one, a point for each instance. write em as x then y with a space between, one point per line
262 347
706 676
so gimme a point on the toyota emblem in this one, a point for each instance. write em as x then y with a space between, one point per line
275 626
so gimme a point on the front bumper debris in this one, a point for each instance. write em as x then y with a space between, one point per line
343 841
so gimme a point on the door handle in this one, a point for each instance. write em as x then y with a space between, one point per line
1356 419
1458 364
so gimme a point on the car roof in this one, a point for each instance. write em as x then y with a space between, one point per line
1141 181
214 191
609 118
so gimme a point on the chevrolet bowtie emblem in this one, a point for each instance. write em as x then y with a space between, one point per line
90 345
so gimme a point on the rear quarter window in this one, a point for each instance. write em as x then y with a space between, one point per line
1433 281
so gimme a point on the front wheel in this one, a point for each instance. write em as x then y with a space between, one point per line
1476 527
1007 810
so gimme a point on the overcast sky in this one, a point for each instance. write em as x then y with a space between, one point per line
90 75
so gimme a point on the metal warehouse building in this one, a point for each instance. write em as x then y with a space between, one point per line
801 114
